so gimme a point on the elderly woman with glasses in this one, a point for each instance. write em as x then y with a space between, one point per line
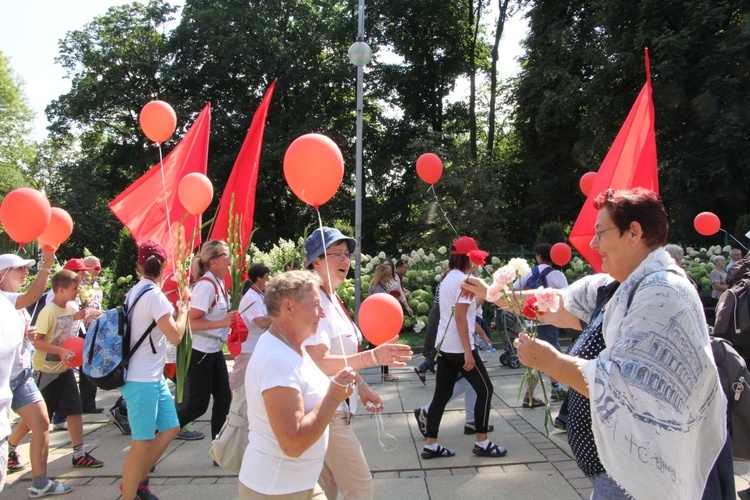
335 345
290 402
647 416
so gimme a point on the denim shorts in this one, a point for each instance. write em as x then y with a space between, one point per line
605 488
150 406
25 391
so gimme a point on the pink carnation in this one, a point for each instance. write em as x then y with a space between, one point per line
504 276
494 292
548 300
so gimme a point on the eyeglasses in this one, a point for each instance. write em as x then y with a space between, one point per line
341 255
599 234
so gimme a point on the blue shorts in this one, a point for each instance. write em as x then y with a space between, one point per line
25 391
150 406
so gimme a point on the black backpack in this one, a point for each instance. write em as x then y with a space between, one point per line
537 278
734 379
733 311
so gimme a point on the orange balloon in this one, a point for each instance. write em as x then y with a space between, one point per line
707 223
195 193
380 318
429 168
74 344
158 121
25 214
587 182
313 168
560 253
59 229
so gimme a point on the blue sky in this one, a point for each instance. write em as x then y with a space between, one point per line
31 29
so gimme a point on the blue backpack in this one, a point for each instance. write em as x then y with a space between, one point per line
105 352
537 278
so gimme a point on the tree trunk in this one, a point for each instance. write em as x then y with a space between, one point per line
501 18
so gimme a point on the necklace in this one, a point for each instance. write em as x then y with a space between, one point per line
281 337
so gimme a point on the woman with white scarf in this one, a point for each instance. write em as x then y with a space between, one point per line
645 392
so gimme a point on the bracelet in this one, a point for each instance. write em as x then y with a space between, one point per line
45 269
374 359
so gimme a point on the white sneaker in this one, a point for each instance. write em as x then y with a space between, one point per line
62 426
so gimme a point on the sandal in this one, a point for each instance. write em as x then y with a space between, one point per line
422 376
387 377
492 450
535 403
52 488
439 453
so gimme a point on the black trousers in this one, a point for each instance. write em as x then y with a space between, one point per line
88 392
207 377
448 367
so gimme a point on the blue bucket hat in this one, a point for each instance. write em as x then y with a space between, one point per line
314 245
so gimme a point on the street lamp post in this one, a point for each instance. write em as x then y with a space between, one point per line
359 55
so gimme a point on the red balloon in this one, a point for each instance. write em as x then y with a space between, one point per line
74 344
170 370
25 214
587 182
158 121
429 168
560 253
195 193
380 318
313 168
59 229
707 223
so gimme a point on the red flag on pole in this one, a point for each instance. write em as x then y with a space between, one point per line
150 207
630 162
243 179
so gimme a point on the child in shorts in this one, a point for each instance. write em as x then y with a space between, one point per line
57 322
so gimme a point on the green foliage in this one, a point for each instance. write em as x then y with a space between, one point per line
698 266
16 146
551 232
122 269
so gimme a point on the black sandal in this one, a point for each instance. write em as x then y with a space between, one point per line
439 453
422 376
492 450
535 403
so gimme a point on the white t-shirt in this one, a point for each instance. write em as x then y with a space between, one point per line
22 359
450 292
555 279
251 307
333 331
265 467
145 366
204 294
11 327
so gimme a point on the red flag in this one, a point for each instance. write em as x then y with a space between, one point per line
144 205
631 162
243 179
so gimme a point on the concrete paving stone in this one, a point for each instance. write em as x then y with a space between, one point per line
557 457
183 491
542 466
203 480
227 480
411 488
491 469
518 486
176 480
385 475
411 473
568 465
156 481
546 445
76 481
467 471
582 482
438 472
586 492
103 481
515 468
573 474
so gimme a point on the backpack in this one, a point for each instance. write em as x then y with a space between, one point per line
537 278
733 315
734 379
106 352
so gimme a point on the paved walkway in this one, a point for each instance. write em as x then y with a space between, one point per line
534 468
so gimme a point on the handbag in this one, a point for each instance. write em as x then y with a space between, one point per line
229 446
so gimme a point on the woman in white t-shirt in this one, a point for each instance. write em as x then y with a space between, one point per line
254 314
149 401
335 345
210 320
455 341
289 400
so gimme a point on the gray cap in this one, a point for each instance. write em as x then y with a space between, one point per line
314 245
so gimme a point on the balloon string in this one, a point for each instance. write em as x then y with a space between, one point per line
166 203
735 239
432 188
330 284
382 433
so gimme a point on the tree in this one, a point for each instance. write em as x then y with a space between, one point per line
16 145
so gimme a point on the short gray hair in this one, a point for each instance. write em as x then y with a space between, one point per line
289 285
718 257
675 251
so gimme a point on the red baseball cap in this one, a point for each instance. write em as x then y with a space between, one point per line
464 245
76 265
149 248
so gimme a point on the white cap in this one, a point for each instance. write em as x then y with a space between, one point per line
10 260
